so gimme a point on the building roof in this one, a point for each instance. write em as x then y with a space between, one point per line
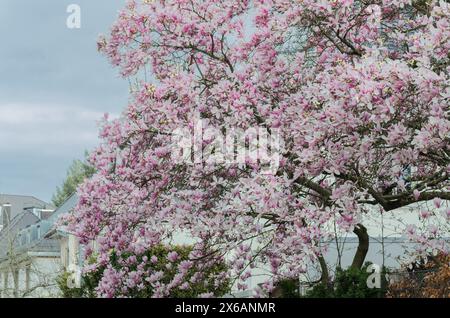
33 234
65 208
22 219
20 202
9 236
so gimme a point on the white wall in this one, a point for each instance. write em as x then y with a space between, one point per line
36 277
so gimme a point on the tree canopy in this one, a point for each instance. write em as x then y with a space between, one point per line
78 171
356 91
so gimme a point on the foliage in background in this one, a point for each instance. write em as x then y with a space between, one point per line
286 288
157 263
427 278
67 292
349 283
88 283
76 174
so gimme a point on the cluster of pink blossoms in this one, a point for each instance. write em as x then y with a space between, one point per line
359 90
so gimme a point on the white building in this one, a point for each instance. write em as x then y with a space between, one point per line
29 262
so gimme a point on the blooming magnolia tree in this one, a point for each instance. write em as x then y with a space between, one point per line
358 91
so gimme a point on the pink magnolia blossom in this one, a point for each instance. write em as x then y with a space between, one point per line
172 256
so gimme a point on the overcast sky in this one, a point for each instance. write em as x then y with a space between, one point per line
54 87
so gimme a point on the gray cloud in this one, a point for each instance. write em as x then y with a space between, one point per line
54 87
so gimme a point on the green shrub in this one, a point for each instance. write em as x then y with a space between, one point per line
88 284
286 288
205 285
66 291
349 283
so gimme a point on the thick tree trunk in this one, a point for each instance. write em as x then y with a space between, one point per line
324 278
363 246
